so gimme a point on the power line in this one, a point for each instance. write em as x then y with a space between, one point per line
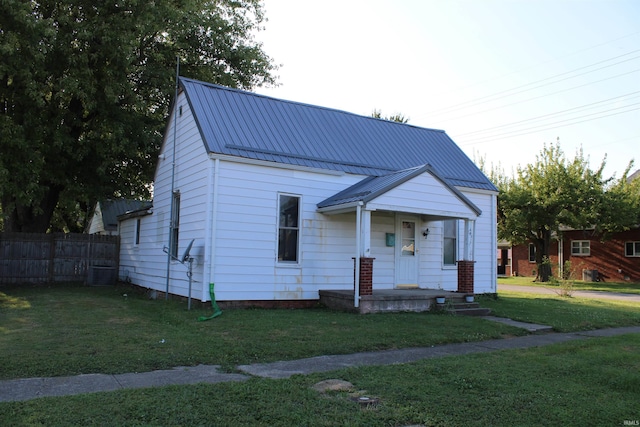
539 64
543 96
482 140
495 96
555 114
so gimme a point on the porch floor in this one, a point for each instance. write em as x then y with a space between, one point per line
389 300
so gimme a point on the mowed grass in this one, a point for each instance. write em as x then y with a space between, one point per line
591 382
578 285
562 313
72 329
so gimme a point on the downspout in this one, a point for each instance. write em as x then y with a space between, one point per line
494 240
206 271
356 291
173 176
214 219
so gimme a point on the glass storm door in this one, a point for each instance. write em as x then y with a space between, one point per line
406 253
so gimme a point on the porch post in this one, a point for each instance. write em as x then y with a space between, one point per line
466 265
356 285
366 233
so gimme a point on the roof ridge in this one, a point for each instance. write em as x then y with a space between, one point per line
289 101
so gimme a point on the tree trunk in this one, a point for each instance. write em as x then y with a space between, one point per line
543 247
28 218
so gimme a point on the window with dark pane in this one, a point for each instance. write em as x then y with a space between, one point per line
449 242
288 228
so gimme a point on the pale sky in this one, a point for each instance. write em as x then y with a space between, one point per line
501 77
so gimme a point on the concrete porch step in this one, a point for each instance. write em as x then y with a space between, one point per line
479 311
466 309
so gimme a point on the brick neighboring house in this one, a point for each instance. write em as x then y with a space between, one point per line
615 260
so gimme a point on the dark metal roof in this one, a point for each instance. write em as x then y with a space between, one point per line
374 186
111 209
245 124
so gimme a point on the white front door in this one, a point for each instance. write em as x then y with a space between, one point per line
407 257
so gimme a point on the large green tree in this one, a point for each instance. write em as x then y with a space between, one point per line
85 88
555 193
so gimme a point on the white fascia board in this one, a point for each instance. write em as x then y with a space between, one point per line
244 160
427 212
477 191
339 209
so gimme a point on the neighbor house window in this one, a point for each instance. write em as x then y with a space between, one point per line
137 238
581 247
288 228
450 241
175 223
532 252
632 249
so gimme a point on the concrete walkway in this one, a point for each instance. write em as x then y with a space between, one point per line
581 294
31 388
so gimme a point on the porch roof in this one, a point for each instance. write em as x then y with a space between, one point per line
373 187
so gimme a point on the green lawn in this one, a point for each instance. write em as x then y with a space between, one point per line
624 287
591 382
563 314
64 330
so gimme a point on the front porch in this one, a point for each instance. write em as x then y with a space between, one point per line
400 300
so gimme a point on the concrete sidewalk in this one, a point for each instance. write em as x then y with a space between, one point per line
31 388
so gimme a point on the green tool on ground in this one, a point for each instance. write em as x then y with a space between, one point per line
216 310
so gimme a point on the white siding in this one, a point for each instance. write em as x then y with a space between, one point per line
243 251
246 266
486 242
423 195
146 264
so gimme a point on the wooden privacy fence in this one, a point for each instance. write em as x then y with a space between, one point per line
58 257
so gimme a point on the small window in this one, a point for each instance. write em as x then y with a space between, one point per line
137 238
175 223
632 249
288 228
532 252
450 242
580 247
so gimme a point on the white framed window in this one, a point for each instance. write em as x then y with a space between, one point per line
532 252
136 240
175 224
632 249
580 247
288 228
450 241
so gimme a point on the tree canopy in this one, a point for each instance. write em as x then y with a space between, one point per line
398 117
85 88
556 193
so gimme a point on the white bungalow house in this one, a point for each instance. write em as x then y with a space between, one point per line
279 199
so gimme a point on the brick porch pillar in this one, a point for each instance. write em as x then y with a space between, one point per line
366 276
465 276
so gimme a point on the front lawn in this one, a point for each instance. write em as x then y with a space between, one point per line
578 285
590 382
563 314
67 330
